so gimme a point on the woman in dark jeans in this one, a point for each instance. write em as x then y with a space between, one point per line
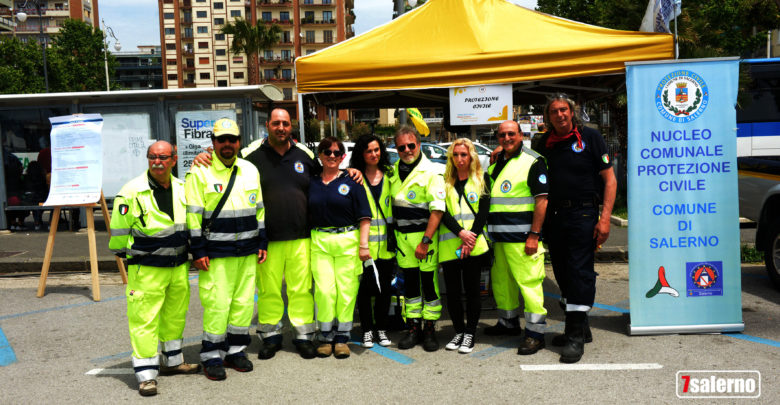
370 157
463 249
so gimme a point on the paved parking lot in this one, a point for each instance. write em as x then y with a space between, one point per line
65 348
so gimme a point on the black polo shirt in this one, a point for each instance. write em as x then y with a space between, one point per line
574 172
163 196
342 202
284 180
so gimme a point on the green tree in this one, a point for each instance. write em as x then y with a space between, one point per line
76 58
22 71
251 40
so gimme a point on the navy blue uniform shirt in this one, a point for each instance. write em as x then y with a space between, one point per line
340 203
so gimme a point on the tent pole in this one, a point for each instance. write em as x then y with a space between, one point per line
301 119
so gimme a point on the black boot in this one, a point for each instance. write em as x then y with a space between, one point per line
430 344
501 328
575 337
413 335
560 340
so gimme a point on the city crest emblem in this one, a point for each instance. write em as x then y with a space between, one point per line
298 166
343 189
123 208
682 96
575 146
218 187
252 198
472 197
411 195
506 186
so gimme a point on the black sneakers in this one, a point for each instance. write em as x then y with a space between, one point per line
239 363
454 344
214 371
468 343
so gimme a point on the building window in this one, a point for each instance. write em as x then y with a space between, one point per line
172 76
309 51
284 16
268 54
325 1
203 45
205 75
287 93
202 14
327 36
221 83
308 1
170 47
219 6
168 16
285 54
268 74
170 62
187 33
287 74
309 37
219 21
286 37
170 31
221 68
238 75
266 16
327 16
238 59
203 61
308 16
203 30
220 52
235 13
219 37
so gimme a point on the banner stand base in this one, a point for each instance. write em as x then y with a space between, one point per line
678 329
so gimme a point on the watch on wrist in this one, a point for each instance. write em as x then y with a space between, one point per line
426 240
535 233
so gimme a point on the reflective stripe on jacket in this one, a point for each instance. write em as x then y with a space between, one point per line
458 208
144 234
239 229
511 202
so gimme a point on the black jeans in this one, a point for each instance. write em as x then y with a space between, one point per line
375 318
464 274
569 236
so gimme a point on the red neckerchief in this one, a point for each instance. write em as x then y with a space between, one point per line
554 138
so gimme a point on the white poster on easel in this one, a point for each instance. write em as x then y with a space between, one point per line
76 159
126 137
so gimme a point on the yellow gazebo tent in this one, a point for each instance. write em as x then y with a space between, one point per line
446 43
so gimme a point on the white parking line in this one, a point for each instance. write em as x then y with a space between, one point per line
589 367
110 371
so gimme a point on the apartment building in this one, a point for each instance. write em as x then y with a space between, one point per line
196 54
53 14
140 69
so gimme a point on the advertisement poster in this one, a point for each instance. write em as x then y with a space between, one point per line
193 134
480 105
76 159
684 255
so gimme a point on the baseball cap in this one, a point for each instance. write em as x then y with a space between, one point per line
225 126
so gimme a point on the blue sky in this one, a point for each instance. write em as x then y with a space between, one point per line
136 22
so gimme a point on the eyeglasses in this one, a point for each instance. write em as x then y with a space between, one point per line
336 153
227 138
410 146
503 134
161 157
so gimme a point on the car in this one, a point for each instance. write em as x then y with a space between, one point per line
392 155
435 153
482 151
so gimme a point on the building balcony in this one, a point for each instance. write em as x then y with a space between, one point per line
279 22
188 52
188 68
309 21
186 4
315 42
316 3
275 3
188 84
186 21
277 61
278 80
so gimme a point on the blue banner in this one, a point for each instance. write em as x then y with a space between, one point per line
683 235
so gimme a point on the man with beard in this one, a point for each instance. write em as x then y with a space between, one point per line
225 216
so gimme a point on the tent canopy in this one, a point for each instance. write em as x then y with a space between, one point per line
448 43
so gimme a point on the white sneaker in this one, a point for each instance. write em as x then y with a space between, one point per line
383 339
455 342
368 339
468 343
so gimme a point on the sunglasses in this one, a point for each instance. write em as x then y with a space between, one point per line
227 138
161 157
410 146
336 153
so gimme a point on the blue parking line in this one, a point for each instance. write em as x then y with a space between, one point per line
390 354
753 339
39 311
7 355
125 355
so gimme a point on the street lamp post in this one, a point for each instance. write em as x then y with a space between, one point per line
22 16
106 32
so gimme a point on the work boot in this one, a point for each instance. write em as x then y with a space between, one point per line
269 347
183 368
413 335
575 337
148 388
530 345
214 370
430 344
324 349
340 350
305 348
501 328
239 362
560 340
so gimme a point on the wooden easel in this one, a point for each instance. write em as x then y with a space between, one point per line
55 219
